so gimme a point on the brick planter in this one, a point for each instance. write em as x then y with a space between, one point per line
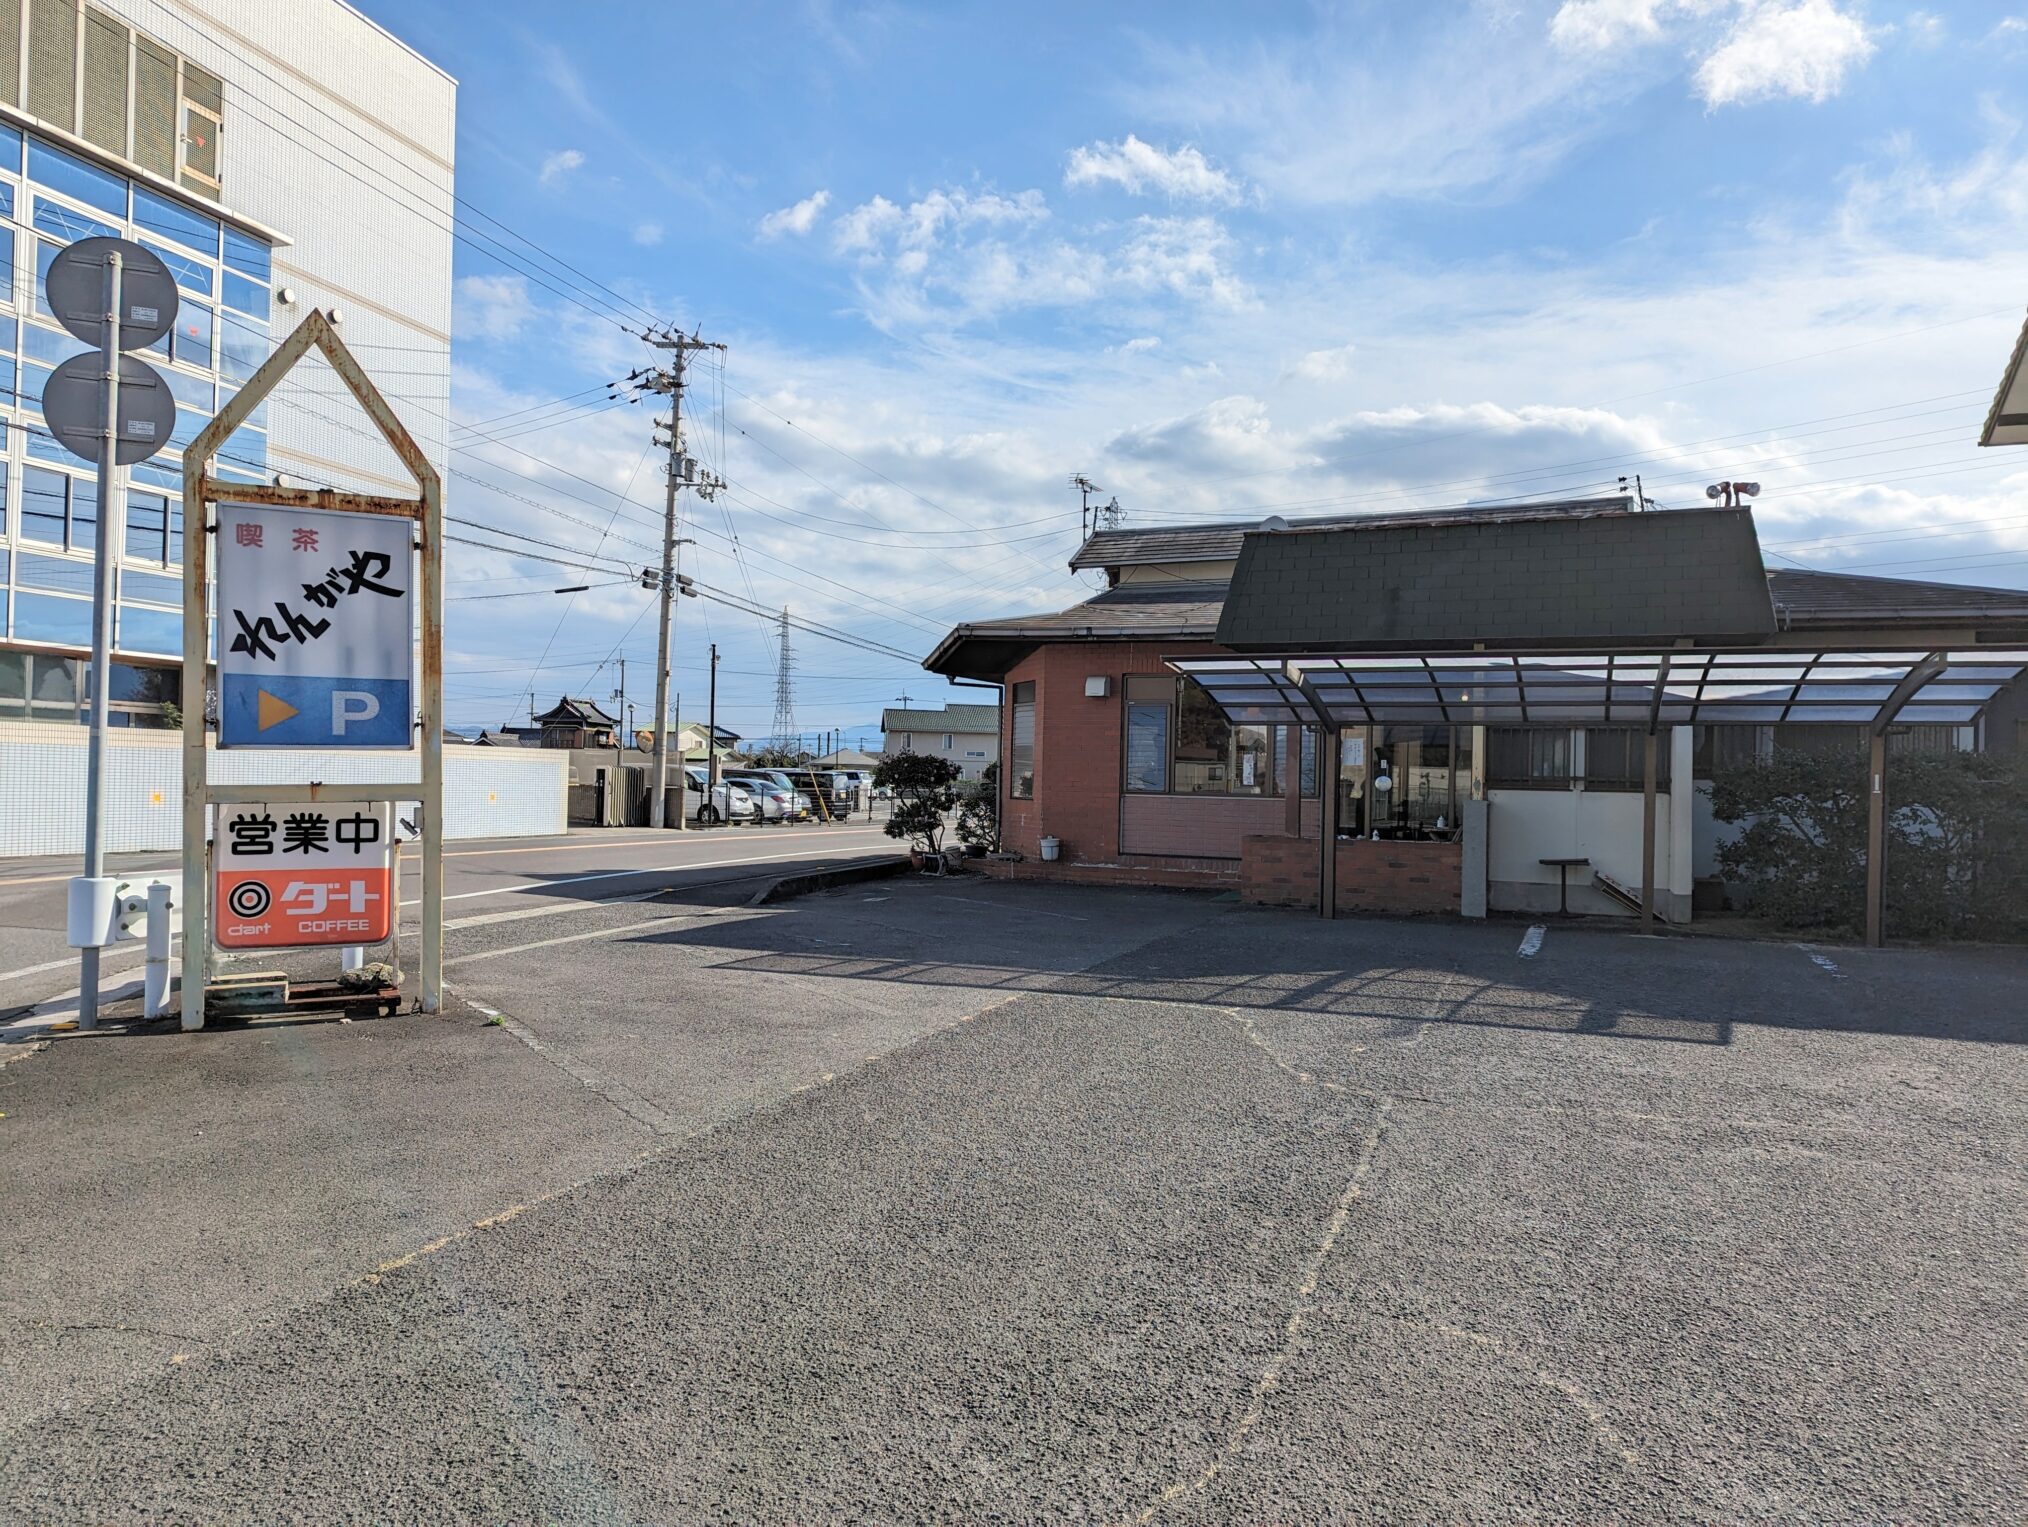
1411 879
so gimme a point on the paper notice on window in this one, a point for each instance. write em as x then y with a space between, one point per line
1355 752
1246 769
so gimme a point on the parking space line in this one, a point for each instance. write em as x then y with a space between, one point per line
1531 942
1823 962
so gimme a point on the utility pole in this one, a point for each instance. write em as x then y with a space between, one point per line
620 695
711 729
669 380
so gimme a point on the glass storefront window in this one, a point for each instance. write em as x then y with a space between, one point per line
1403 781
143 630
1528 758
246 296
191 275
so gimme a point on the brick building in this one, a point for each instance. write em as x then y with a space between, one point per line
1132 752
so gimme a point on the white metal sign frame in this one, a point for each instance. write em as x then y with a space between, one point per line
201 491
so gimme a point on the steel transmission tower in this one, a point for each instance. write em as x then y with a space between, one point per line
785 690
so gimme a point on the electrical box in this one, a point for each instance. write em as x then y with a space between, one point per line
1098 686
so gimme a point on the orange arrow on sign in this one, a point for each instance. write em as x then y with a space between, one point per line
273 712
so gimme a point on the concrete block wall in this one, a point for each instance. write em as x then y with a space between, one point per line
1396 878
488 792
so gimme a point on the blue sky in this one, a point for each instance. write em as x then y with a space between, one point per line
1226 260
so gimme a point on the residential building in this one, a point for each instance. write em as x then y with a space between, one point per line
280 159
968 735
1158 732
697 741
576 723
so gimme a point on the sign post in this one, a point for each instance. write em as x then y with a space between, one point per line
317 608
111 409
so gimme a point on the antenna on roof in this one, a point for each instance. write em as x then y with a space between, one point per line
1641 499
1085 489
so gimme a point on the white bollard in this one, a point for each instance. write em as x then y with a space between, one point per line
352 957
155 980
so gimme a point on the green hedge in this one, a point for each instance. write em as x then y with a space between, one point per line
1956 842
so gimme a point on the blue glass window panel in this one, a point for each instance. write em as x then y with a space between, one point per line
7 381
48 618
10 149
8 327
84 513
67 225
246 296
190 391
6 198
149 630
191 275
175 532
172 220
189 425
55 575
245 253
257 418
147 527
43 496
35 377
43 446
154 472
156 588
83 182
193 335
243 346
249 448
238 472
50 346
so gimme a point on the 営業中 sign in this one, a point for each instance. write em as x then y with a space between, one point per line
286 876
316 628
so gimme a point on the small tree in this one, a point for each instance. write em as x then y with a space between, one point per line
779 758
923 796
979 818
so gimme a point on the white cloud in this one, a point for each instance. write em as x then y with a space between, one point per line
797 219
1599 24
491 307
1332 365
647 235
1794 48
1926 29
1139 346
558 166
1139 168
1185 256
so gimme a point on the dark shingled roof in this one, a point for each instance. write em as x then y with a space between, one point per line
1606 579
1221 542
1805 597
1131 612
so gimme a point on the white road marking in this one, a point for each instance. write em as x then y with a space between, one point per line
105 959
576 938
1823 962
535 886
1531 942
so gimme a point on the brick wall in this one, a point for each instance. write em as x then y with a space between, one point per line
1402 878
1078 739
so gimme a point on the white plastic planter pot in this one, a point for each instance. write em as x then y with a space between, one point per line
1051 847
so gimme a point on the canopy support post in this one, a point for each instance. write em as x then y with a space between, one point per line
1650 743
1876 793
1327 793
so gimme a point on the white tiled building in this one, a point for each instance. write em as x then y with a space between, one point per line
280 157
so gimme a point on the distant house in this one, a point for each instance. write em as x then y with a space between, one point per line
575 723
690 741
509 737
968 735
848 758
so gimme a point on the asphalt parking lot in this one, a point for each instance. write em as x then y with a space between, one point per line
969 1201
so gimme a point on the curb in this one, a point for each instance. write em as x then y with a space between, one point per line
791 886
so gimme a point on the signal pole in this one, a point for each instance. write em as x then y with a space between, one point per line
682 470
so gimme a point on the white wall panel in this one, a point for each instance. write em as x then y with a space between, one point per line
488 792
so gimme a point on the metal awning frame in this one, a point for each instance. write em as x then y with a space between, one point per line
1656 689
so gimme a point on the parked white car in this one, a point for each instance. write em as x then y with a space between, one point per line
728 802
772 796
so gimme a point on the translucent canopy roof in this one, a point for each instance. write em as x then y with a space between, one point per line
1673 689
